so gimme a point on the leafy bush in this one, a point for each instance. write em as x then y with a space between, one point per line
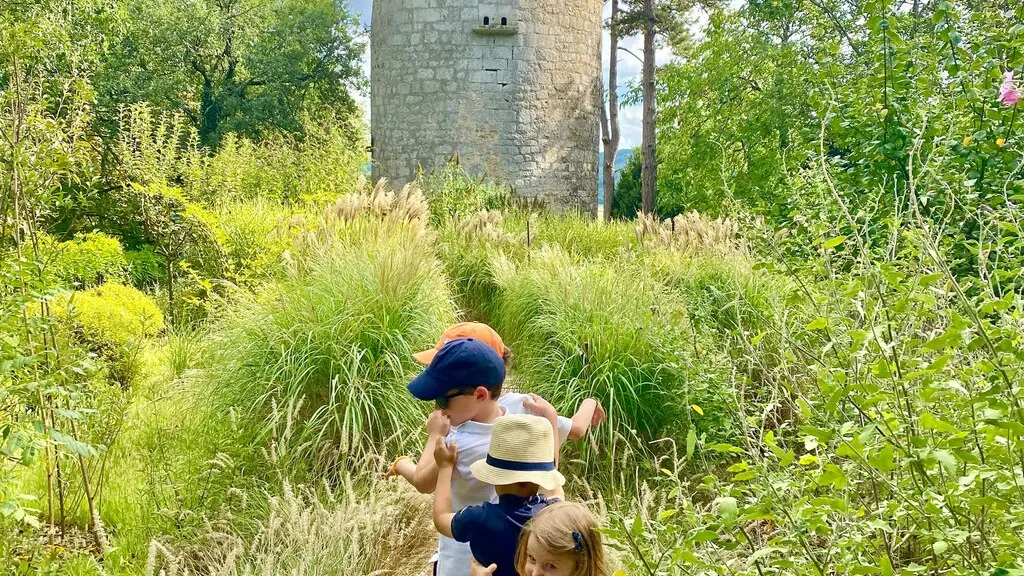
255 236
114 315
145 267
454 195
88 259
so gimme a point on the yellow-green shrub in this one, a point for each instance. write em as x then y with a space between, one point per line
88 259
113 315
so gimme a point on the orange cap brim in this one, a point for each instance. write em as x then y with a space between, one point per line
426 356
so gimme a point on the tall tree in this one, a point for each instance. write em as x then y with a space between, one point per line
610 116
245 66
650 163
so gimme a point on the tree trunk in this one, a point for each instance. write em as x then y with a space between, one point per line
610 117
650 167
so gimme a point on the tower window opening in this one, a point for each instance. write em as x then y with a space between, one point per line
487 20
504 21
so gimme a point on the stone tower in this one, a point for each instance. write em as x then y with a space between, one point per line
511 87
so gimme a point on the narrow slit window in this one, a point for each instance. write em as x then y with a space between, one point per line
487 20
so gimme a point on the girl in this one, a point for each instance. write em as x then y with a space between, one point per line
561 540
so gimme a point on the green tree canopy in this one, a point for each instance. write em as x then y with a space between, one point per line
244 66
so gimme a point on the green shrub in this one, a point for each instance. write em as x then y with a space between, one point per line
331 342
89 259
114 315
255 234
145 267
455 195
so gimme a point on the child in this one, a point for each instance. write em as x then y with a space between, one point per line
465 378
521 460
590 412
561 540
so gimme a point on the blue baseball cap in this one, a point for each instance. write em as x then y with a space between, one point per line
461 363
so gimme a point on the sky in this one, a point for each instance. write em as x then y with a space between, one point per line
629 71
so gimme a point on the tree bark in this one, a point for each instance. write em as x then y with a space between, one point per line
610 117
650 166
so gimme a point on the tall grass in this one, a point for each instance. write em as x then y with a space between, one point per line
380 529
332 339
583 328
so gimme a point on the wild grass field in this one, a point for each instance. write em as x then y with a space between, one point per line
810 353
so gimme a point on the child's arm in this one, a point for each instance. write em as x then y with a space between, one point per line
426 476
590 413
542 407
444 457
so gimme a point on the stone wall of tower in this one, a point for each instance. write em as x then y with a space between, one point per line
517 102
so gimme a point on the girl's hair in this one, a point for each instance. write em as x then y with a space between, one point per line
565 529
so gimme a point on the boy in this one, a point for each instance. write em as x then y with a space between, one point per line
521 460
590 412
465 378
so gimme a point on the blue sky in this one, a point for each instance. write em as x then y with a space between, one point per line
629 70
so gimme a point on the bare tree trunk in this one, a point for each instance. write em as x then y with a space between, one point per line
610 117
18 120
650 166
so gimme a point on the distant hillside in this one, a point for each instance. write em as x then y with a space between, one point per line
621 159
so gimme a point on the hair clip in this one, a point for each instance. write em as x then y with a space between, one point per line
578 539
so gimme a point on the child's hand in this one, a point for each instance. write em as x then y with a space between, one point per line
599 414
445 455
438 424
475 569
540 407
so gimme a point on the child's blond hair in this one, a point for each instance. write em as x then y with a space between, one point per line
565 529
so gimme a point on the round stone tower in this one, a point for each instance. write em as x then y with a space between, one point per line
511 87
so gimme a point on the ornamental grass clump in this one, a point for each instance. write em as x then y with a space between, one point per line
336 332
605 329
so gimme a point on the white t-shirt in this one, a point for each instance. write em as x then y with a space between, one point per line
473 439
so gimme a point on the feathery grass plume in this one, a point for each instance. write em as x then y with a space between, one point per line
337 331
690 233
374 528
485 226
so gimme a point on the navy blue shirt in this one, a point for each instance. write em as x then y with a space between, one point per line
492 530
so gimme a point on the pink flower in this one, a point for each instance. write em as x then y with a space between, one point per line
1009 95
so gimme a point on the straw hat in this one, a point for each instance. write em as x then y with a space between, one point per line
522 450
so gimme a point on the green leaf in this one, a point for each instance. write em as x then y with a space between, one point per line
728 509
818 324
883 459
741 466
666 514
947 461
761 553
691 442
704 536
886 566
71 445
726 448
832 243
940 547
637 527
